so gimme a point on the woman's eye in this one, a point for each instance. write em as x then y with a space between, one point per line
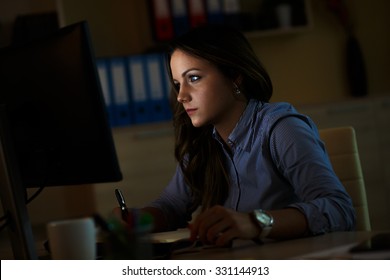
194 78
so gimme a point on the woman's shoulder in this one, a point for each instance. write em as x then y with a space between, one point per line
276 107
274 111
268 115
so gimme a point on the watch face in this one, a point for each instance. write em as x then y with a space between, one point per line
264 218
265 221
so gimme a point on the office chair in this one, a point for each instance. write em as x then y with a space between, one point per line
342 148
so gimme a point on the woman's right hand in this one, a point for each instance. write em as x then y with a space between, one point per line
220 226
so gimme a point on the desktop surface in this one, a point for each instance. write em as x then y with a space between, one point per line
334 245
327 246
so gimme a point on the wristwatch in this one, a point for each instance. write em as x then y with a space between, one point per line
264 220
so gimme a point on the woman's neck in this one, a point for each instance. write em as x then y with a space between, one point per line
226 127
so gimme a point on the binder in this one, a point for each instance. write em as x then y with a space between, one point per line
104 77
157 87
120 91
197 12
162 20
180 16
167 85
214 11
232 12
140 106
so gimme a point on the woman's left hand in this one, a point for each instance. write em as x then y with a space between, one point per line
220 226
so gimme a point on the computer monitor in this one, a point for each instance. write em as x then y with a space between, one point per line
54 126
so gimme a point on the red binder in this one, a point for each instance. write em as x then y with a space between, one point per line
162 20
197 12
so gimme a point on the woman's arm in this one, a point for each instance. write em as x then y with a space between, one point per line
301 158
219 225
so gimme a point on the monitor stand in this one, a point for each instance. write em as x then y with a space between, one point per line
12 196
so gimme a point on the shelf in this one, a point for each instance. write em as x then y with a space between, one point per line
276 32
261 17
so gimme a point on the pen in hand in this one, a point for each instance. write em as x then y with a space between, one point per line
122 205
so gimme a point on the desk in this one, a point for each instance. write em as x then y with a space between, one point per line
330 245
325 246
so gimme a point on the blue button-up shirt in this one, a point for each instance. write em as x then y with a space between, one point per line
277 160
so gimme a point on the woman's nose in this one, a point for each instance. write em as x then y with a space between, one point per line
182 96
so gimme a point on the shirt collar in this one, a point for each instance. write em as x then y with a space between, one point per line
242 134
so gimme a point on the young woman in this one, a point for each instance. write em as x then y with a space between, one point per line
256 169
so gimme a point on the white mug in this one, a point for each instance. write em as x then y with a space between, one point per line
73 239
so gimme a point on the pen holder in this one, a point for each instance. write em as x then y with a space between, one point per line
128 242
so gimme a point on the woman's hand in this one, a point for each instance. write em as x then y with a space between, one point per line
220 226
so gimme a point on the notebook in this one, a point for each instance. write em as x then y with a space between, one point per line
170 236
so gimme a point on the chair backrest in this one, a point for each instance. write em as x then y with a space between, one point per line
342 148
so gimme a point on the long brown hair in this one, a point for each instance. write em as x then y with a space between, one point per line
199 155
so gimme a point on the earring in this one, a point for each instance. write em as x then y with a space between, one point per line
237 90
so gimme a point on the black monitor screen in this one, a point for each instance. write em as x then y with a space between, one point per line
56 111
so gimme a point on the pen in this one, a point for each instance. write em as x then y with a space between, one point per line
122 205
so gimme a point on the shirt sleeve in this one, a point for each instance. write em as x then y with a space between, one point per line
174 202
300 156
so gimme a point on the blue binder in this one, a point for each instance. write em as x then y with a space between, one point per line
120 91
156 86
180 17
140 104
214 10
167 85
232 11
104 76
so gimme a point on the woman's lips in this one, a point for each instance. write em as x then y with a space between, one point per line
190 111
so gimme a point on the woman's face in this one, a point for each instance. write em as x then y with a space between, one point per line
205 93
